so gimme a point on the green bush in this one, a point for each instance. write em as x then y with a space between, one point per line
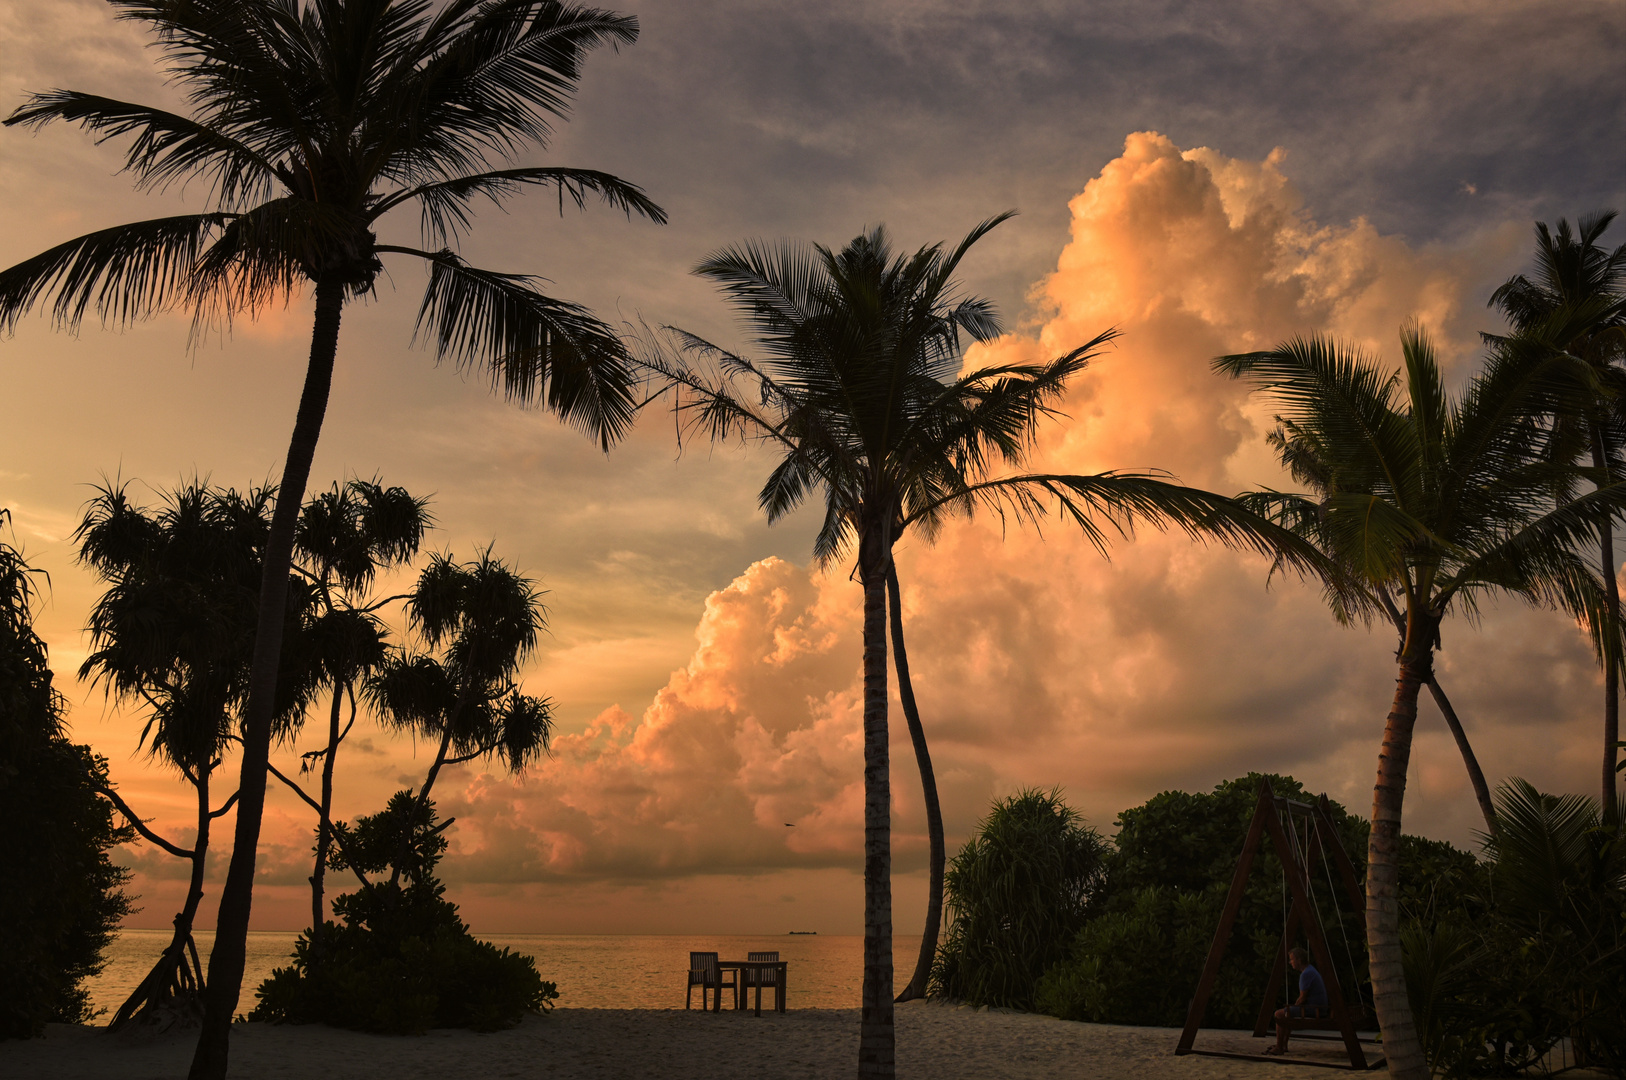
1137 960
1536 954
401 961
61 901
1016 894
1120 969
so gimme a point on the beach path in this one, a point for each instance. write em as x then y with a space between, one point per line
934 1041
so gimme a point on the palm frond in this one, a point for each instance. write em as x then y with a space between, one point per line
488 79
167 147
537 349
1123 500
445 203
129 272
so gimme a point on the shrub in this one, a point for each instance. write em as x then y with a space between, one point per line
401 961
1540 955
61 901
1016 893
1138 959
1135 966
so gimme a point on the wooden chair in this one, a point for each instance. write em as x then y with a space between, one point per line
704 973
759 978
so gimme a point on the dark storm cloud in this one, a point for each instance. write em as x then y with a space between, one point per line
815 118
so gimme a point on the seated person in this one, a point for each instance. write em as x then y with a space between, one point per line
1312 1002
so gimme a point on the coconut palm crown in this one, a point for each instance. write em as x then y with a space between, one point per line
1573 304
1442 499
310 121
859 389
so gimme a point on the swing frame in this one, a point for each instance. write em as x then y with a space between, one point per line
1324 842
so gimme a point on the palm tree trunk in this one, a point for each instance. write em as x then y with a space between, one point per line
876 1057
928 786
1476 776
324 834
1611 667
237 896
1609 651
1400 1043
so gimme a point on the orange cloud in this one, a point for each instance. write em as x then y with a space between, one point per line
1037 662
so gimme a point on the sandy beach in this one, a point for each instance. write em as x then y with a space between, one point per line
934 1041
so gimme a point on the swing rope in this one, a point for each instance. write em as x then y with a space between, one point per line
1343 932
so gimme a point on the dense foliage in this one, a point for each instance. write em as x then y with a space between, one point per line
61 900
400 960
1017 893
1138 958
1537 953
1128 923
1505 955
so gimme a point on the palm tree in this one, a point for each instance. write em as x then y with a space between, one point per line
347 535
311 120
1441 499
859 391
1303 461
172 634
482 619
1576 305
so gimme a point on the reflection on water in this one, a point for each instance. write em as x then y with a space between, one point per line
593 971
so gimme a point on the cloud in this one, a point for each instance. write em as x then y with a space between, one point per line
1037 662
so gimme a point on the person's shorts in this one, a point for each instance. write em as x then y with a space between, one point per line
1307 1012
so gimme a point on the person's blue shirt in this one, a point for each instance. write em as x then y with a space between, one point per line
1312 987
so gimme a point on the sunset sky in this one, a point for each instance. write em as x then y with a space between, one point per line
1206 177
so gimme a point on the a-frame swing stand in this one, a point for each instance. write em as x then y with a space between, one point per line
1296 864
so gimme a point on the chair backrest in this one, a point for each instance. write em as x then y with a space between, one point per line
763 976
703 964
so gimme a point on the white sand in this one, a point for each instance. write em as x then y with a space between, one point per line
936 1042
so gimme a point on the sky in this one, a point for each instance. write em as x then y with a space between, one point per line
1207 178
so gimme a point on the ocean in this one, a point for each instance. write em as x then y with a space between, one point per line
594 971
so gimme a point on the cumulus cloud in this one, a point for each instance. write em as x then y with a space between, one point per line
1036 661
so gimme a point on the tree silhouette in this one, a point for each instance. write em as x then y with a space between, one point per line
310 121
1441 499
478 622
62 901
172 635
860 393
347 535
1574 304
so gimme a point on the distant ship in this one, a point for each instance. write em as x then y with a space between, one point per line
804 931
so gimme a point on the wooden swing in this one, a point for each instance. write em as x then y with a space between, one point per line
1296 859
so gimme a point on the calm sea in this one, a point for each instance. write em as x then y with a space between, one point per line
593 971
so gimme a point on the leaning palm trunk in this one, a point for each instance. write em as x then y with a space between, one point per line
1470 760
1400 1043
175 983
226 960
1611 639
916 987
875 1037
